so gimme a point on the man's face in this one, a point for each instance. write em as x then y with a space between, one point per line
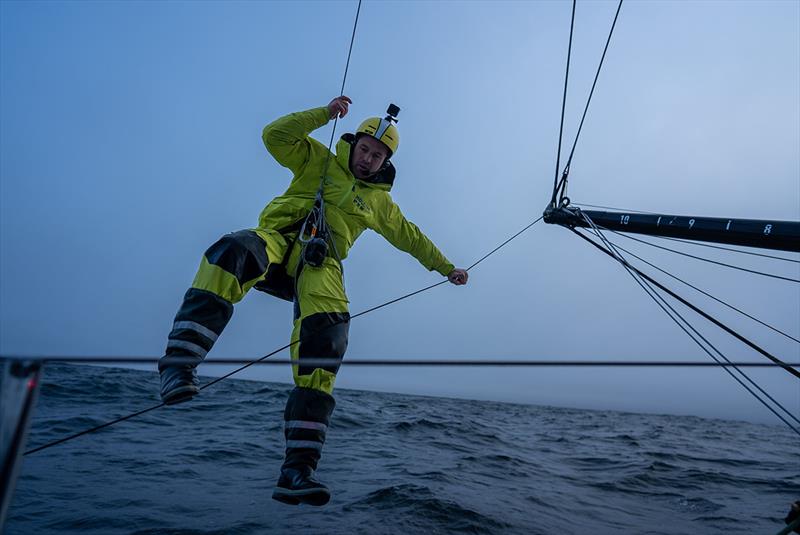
368 156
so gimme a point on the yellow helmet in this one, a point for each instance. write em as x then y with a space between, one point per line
383 130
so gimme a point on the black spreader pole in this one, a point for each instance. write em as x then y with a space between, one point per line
764 234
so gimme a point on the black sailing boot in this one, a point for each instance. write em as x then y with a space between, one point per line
199 322
307 416
179 383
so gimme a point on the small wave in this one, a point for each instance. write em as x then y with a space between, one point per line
658 466
88 523
496 460
627 439
536 500
699 505
66 425
422 423
692 459
51 390
480 435
716 520
555 439
226 455
345 420
247 527
423 508
624 488
268 389
430 475
597 463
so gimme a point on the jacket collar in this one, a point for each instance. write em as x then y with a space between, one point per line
383 179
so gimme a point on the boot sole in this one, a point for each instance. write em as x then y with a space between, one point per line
180 394
315 497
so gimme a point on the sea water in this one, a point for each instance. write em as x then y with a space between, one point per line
395 463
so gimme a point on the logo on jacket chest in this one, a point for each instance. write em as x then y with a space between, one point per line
361 204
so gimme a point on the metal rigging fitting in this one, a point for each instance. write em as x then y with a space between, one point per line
315 238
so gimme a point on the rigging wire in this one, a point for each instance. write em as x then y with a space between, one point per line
562 186
653 294
675 316
729 249
581 204
790 337
679 320
259 360
316 216
645 281
487 255
341 93
710 318
563 106
93 429
618 256
771 275
555 363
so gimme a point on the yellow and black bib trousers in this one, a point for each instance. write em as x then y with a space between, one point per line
245 259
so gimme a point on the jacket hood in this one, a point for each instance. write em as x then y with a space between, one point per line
383 179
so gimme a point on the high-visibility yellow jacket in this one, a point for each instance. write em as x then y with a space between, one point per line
351 205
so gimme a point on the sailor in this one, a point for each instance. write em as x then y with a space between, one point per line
296 253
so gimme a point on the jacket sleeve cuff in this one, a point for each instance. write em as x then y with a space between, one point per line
445 269
321 116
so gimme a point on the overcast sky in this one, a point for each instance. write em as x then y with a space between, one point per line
130 141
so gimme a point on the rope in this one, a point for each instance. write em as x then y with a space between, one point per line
565 174
487 255
92 430
316 216
341 93
563 106
253 362
771 275
659 300
790 337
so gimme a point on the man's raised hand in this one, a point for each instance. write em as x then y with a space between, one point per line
458 276
338 107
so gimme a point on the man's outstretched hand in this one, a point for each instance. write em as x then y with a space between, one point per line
338 107
458 276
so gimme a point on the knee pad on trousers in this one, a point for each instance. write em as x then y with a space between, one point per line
323 336
243 254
